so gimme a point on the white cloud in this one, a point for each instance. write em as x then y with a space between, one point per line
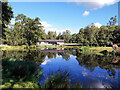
99 4
94 4
45 62
84 73
97 24
45 24
86 13
49 27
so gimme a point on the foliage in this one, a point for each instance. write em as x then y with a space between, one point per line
7 15
19 74
91 61
66 36
51 35
21 85
58 80
26 31
21 69
93 36
113 20
28 76
27 63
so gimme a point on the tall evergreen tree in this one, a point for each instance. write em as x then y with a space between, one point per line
7 15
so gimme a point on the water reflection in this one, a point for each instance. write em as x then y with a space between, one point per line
116 59
89 69
19 74
52 50
45 62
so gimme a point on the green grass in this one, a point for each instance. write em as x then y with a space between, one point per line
109 49
19 48
32 47
58 46
11 48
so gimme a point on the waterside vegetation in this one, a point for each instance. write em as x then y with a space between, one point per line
21 57
36 47
27 63
28 31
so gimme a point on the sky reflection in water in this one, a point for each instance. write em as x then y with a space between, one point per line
89 69
98 78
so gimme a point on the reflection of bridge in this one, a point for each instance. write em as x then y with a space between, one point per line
52 50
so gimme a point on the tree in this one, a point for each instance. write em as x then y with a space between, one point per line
7 15
50 35
73 38
59 36
33 31
55 35
91 33
26 31
80 36
116 35
66 36
113 20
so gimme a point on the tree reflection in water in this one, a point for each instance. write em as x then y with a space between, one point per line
17 73
24 65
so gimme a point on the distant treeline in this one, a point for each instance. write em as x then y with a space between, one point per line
27 31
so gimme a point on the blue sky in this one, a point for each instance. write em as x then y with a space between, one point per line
59 16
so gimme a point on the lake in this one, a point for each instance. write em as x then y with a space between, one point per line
87 69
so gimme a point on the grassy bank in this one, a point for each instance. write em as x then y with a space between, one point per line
24 47
11 48
109 49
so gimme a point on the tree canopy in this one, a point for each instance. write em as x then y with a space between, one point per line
28 31
7 15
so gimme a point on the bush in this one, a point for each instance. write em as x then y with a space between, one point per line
26 85
6 85
58 80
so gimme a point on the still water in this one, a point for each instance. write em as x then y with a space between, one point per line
89 69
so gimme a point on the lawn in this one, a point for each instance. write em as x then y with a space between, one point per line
109 49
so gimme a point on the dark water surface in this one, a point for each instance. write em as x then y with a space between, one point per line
89 69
